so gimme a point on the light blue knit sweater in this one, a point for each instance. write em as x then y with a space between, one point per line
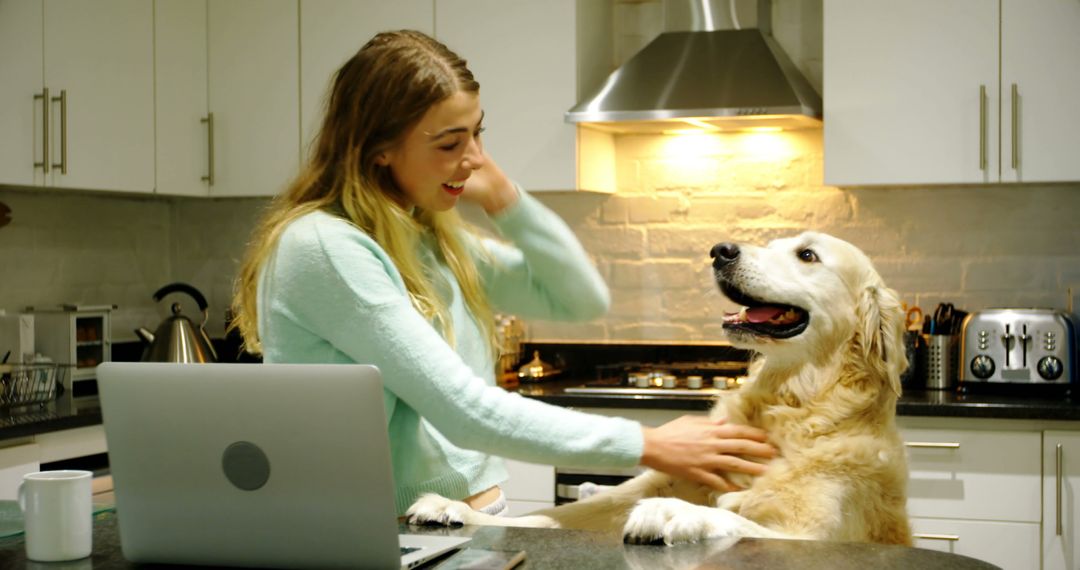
330 294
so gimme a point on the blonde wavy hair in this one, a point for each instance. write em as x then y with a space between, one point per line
381 92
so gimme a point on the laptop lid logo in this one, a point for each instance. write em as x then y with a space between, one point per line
245 465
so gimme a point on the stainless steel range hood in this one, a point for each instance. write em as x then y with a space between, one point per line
713 79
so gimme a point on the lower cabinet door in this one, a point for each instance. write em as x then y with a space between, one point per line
1061 500
529 482
1010 545
519 508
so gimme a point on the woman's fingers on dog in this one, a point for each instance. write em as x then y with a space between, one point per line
747 447
725 463
738 431
712 479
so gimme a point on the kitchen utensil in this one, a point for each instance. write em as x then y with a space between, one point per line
913 318
1025 346
536 369
940 361
177 338
942 322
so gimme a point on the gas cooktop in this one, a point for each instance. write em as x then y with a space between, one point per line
694 379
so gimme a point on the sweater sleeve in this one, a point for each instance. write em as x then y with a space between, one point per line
545 273
333 284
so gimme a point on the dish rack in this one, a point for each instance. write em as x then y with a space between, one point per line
29 384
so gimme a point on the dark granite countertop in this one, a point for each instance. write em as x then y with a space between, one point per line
932 403
56 416
86 411
573 550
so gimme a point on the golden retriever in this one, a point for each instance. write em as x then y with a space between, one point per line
829 337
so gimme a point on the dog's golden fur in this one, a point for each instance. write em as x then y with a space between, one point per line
826 397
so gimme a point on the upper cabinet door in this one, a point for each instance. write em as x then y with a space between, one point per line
21 134
99 68
526 56
331 31
253 85
911 92
183 129
1040 58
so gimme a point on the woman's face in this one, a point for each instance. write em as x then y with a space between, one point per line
436 156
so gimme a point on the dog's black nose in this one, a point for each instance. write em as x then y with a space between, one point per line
723 254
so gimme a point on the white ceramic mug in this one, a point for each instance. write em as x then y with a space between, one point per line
57 514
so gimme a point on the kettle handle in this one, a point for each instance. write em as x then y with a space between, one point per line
182 288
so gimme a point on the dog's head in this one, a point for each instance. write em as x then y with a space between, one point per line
807 297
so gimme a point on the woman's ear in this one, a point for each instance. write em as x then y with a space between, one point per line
383 158
882 323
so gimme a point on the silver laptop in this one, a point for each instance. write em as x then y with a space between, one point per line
270 465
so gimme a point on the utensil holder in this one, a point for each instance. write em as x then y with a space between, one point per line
940 362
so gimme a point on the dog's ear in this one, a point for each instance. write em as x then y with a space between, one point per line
882 321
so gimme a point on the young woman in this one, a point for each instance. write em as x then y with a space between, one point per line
364 259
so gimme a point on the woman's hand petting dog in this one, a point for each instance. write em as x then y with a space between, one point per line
700 449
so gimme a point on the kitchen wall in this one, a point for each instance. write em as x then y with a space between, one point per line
95 249
677 196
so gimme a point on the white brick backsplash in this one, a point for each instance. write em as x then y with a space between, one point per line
654 331
658 275
550 330
1011 273
638 304
909 277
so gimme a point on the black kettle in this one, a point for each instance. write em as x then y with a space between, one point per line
177 339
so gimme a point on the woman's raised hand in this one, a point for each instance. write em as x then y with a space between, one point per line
489 187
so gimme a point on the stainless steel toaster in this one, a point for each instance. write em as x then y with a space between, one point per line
1025 346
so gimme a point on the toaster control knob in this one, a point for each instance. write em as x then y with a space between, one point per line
982 366
1050 367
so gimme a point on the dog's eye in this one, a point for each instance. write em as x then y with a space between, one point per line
808 256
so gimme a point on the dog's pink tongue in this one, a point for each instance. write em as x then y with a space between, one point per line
762 314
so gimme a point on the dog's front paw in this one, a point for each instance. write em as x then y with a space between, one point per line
674 521
732 501
432 509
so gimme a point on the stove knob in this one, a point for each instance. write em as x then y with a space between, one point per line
1050 367
669 381
982 366
642 381
693 382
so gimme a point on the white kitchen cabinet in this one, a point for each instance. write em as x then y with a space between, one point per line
183 125
21 132
977 491
902 84
331 31
253 55
531 487
1008 545
16 461
1040 55
96 60
1061 500
534 60
920 92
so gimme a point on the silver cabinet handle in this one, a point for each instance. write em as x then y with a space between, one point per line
209 121
982 127
44 164
932 444
1060 461
63 131
949 537
1015 124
